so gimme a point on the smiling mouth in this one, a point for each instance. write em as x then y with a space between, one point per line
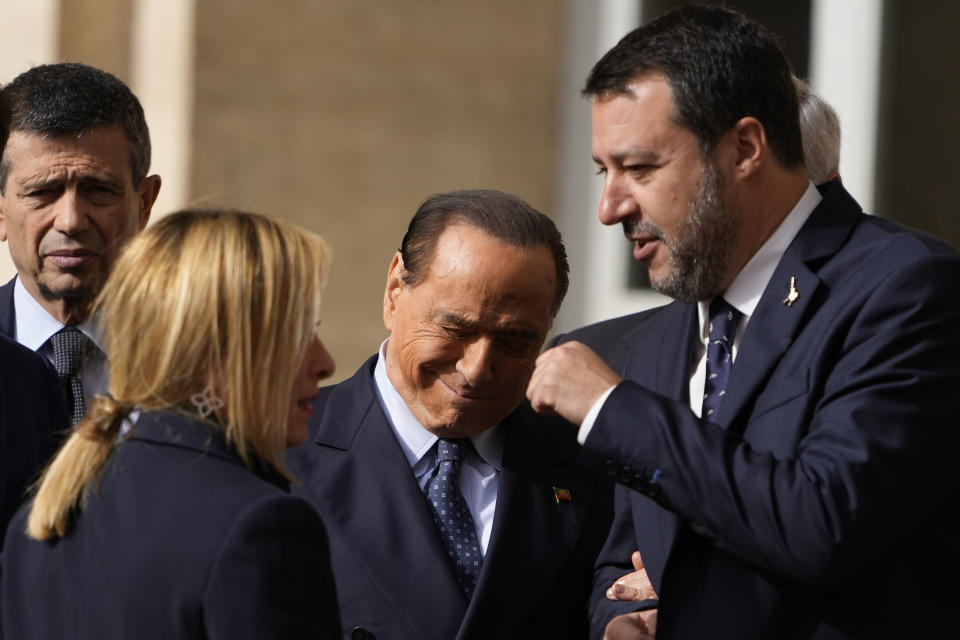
306 404
462 395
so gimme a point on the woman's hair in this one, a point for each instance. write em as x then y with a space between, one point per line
220 300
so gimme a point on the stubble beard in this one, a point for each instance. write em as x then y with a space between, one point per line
700 252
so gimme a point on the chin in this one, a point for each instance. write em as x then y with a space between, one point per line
296 435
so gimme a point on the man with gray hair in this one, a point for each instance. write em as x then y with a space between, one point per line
820 133
73 188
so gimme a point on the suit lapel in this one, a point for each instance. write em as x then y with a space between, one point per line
772 329
366 493
8 324
531 527
775 324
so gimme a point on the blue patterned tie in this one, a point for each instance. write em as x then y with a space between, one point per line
451 514
70 347
723 326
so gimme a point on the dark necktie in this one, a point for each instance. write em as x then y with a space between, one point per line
723 326
70 346
451 514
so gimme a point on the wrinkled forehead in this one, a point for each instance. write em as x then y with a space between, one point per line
100 152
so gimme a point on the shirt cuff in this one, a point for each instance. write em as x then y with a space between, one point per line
591 416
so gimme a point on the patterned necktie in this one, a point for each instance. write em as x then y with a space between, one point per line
723 326
70 346
451 514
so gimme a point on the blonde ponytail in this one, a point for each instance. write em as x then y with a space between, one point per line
66 480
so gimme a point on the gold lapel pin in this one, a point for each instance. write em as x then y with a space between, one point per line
562 495
792 294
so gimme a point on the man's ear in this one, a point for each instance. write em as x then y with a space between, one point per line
394 286
147 194
3 222
749 140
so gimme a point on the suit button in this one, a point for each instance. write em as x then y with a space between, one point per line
359 633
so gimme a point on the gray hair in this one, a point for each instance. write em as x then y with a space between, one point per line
820 132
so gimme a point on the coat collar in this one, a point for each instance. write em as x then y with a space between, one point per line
362 485
179 429
8 318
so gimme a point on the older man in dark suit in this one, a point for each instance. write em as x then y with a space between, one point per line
453 511
783 434
73 188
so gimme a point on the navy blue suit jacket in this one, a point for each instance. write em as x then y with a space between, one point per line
393 577
32 415
822 502
8 318
179 540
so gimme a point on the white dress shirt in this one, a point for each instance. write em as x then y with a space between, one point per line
480 472
35 326
743 294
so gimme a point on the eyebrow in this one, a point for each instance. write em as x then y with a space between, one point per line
510 329
453 318
632 156
40 182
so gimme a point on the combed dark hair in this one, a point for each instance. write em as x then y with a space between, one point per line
501 215
67 98
4 121
721 66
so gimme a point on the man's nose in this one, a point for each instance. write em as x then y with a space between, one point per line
616 203
70 216
475 365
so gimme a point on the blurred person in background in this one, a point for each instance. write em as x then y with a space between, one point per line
73 189
185 528
820 133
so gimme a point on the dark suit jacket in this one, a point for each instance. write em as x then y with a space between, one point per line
8 318
180 540
32 411
393 577
823 500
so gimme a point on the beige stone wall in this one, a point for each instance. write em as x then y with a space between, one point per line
97 32
342 115
339 115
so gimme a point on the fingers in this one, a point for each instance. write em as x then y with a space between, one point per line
629 626
633 586
567 380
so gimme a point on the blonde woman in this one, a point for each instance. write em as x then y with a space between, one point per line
185 527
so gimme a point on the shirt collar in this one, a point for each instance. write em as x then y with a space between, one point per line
35 325
744 292
415 441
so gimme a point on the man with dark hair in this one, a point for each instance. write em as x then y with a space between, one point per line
453 512
73 189
31 408
782 433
